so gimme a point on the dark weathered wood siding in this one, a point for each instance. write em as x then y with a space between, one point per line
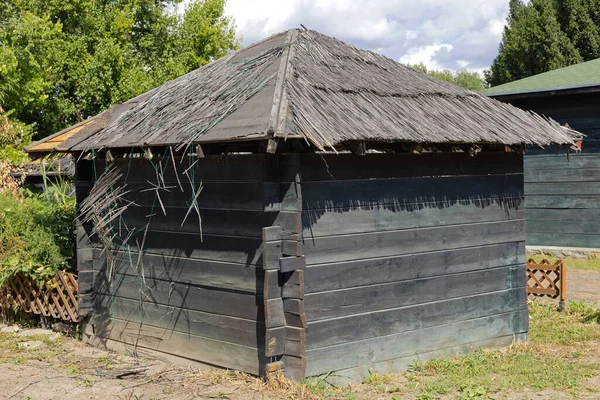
200 299
562 196
314 263
410 256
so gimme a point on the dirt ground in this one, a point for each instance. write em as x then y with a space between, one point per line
583 286
44 367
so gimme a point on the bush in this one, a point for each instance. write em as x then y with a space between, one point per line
14 135
37 233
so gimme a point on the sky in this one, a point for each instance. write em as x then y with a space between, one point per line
454 34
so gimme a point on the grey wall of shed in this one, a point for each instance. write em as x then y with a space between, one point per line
318 262
410 257
562 194
194 299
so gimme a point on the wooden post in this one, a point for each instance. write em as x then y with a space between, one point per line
563 287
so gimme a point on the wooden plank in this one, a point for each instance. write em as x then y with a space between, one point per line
275 341
293 285
246 223
391 243
246 167
228 249
291 248
215 352
341 221
218 195
399 194
294 348
274 316
319 167
412 343
562 175
550 226
387 322
573 201
209 325
357 374
296 321
296 334
561 239
565 215
293 306
187 296
339 303
325 277
295 368
272 285
563 188
290 264
546 162
208 273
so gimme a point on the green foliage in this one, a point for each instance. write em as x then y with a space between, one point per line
463 78
63 61
14 135
37 233
542 35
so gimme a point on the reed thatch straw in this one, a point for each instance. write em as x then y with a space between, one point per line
331 93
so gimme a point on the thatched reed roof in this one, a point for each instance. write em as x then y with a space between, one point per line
303 84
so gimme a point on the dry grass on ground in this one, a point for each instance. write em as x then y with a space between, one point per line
562 360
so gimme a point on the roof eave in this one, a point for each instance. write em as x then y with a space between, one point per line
557 91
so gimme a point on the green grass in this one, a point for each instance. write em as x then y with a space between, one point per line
554 359
12 349
591 264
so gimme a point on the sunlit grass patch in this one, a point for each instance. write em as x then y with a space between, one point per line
588 264
552 360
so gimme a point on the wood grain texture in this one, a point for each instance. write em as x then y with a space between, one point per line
391 243
325 333
209 351
349 220
317 167
208 273
357 374
188 296
411 344
325 277
176 319
338 303
412 193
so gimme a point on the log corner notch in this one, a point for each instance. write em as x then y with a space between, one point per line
284 265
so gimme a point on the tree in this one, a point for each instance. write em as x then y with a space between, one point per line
63 61
542 35
463 78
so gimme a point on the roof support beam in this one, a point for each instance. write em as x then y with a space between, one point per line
358 147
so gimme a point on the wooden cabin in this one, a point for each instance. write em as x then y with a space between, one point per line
304 206
562 184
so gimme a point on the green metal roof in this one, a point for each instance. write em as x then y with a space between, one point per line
575 76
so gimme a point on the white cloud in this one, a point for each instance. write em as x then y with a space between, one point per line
438 32
425 55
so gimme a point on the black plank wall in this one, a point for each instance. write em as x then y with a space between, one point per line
410 256
199 299
313 263
562 196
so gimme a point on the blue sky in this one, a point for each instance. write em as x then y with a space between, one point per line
441 33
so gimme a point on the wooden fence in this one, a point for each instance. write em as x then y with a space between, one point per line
57 299
547 279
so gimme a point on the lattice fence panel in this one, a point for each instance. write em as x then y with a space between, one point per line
547 279
57 299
